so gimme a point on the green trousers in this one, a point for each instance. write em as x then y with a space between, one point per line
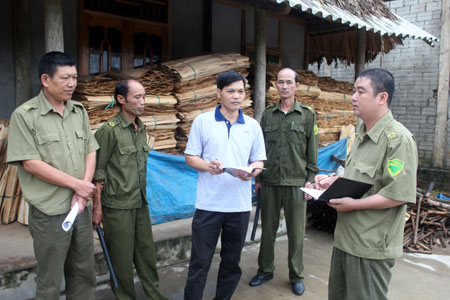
291 199
58 252
129 237
356 278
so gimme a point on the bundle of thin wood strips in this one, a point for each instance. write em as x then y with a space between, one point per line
11 202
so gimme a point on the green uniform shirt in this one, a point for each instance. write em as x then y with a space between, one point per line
386 157
38 132
291 141
122 162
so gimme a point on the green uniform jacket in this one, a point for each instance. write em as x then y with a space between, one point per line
38 132
122 163
291 141
386 157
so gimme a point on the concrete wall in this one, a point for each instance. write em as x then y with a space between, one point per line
8 95
226 28
186 31
293 45
7 82
415 66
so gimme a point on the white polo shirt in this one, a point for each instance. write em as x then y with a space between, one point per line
212 137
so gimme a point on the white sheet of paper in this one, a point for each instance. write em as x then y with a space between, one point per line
68 221
313 192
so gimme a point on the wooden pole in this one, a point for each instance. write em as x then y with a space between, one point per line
443 89
360 52
22 50
53 22
260 62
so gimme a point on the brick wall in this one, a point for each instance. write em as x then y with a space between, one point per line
415 66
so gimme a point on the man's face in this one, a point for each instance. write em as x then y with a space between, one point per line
134 103
232 95
364 100
62 84
286 84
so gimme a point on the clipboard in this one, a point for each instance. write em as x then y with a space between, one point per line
342 187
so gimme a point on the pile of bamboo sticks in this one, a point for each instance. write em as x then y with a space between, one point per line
10 193
427 225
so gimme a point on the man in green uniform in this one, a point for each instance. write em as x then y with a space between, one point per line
121 170
369 231
290 134
51 143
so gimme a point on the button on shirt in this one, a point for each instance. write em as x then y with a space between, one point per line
212 137
122 163
386 157
291 143
38 132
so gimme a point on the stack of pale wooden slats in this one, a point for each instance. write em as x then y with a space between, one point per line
195 86
159 115
12 205
330 99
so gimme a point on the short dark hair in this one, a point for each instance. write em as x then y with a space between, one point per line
297 78
381 81
227 78
51 60
121 89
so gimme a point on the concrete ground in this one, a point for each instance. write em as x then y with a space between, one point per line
414 276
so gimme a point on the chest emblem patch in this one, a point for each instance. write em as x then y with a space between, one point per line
395 166
112 124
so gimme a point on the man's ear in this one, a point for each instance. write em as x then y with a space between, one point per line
121 99
218 93
383 98
44 80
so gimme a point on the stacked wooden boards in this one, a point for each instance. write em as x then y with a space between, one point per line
330 99
11 201
97 95
195 86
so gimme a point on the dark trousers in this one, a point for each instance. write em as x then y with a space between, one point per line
61 253
357 278
273 198
129 237
206 228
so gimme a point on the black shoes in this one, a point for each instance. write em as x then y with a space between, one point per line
298 288
259 279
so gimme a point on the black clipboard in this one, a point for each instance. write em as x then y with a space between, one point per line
344 187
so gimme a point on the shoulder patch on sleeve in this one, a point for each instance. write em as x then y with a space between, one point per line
316 129
395 166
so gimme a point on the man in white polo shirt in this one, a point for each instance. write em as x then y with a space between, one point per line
222 138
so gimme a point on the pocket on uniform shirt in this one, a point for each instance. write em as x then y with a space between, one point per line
368 171
81 139
49 146
297 134
271 134
127 155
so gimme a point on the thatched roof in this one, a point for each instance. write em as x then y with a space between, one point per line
363 8
333 26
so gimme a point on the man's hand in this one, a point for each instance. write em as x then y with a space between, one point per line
308 185
84 189
257 188
215 167
81 202
343 204
324 181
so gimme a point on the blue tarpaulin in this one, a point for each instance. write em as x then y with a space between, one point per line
172 185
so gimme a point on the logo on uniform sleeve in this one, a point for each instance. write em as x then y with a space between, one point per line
316 129
395 166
